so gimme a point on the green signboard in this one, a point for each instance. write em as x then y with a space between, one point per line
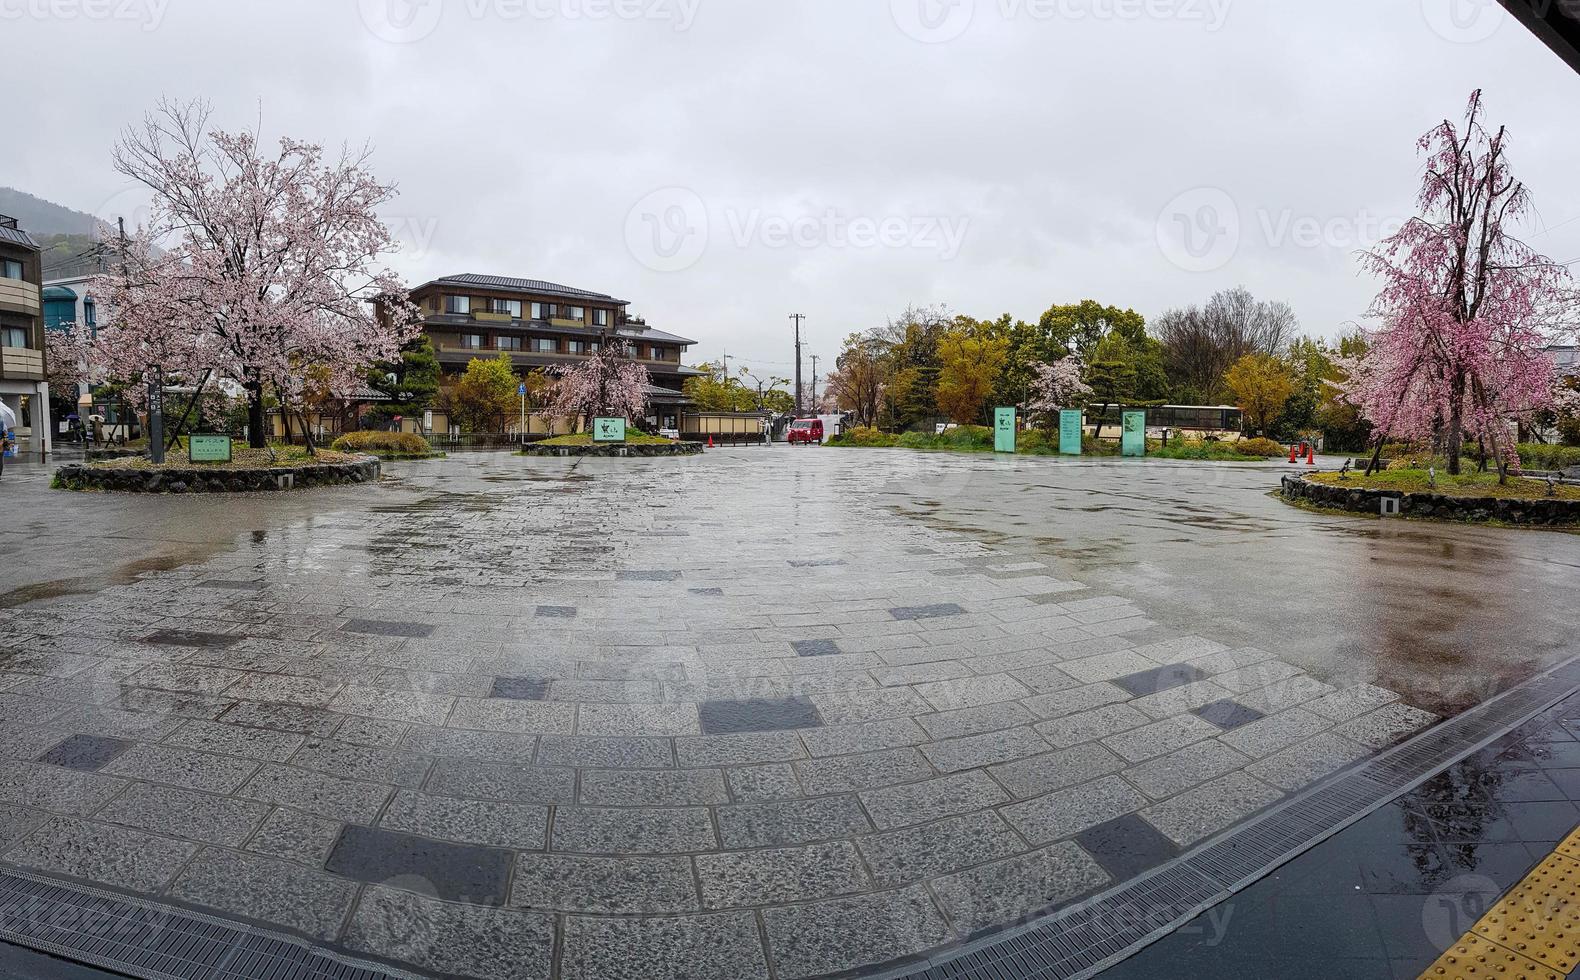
209 449
608 430
1070 432
1134 440
1004 430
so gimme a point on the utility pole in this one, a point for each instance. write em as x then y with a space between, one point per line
726 375
798 317
814 382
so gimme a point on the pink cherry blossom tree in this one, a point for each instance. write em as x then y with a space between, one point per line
70 357
263 267
1055 386
608 384
1466 308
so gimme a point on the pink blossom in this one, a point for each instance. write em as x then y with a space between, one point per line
1466 309
265 269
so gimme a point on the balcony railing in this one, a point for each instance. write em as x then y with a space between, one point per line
22 363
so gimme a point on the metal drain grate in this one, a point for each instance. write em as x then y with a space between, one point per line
154 942
1083 940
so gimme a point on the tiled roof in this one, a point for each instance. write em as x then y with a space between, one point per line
16 236
538 286
651 334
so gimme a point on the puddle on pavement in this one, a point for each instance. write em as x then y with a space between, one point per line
88 584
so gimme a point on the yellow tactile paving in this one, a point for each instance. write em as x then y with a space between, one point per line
1532 932
1473 958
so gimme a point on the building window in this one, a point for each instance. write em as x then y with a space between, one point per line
600 318
545 345
507 343
10 269
472 341
458 304
13 337
511 306
537 311
575 347
90 313
564 312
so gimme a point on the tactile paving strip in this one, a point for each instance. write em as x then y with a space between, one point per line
1538 918
1473 958
1058 947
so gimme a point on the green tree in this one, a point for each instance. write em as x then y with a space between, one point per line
1314 372
1111 373
485 395
1261 385
971 360
409 383
717 392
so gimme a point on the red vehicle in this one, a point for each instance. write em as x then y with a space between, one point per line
809 431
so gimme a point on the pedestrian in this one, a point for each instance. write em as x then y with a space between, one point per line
7 432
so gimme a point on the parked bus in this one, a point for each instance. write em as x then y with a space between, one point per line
1197 421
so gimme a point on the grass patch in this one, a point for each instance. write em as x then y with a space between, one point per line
243 458
1478 485
633 437
1036 442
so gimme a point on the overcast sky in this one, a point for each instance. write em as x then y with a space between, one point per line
725 163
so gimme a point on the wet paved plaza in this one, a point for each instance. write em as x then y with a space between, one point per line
768 712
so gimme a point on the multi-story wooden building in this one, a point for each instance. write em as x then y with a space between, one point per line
24 384
542 324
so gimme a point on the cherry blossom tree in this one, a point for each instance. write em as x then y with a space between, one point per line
69 354
255 265
1466 308
608 384
1055 386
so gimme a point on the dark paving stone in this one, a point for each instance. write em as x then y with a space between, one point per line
191 638
935 611
557 612
86 752
1567 781
1228 714
1426 869
380 627
817 563
816 648
758 715
238 585
1542 823
706 591
1161 679
520 689
1126 846
646 576
453 872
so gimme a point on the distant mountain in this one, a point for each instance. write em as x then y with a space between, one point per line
41 217
71 247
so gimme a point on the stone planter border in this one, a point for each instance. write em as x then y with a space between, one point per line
616 449
196 479
1535 512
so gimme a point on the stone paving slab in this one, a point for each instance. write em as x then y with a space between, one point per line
494 722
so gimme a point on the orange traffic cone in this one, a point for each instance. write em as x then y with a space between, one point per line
1311 455
1293 449
710 442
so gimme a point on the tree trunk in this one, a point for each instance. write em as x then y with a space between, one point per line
1455 443
256 437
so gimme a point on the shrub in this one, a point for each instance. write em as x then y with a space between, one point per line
383 443
1260 447
1536 456
863 435
966 437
